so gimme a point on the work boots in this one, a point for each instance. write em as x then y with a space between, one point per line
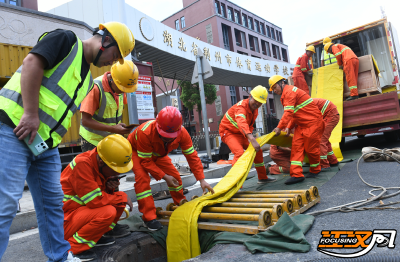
118 231
153 225
352 98
294 180
265 181
312 175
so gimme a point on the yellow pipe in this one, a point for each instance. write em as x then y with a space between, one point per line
305 196
276 208
313 190
287 205
217 216
297 200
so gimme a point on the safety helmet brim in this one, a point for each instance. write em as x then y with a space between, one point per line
168 135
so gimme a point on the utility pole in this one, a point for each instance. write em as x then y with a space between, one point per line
203 103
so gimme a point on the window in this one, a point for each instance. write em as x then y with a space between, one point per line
262 29
242 53
273 33
237 17
183 25
275 52
232 90
284 55
257 26
268 32
225 35
265 48
256 44
280 36
223 10
244 20
230 13
243 36
217 9
251 26
13 2
2 1
251 42
177 24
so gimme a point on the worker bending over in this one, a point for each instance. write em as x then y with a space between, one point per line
281 157
40 99
331 118
302 113
91 207
302 68
151 142
237 126
326 58
348 61
103 106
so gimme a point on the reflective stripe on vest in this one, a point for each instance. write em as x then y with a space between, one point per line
297 108
107 114
329 59
325 106
341 52
61 92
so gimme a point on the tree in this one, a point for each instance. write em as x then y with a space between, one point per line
190 96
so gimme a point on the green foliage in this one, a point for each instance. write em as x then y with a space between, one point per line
190 95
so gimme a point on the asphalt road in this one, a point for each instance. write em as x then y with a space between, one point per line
344 187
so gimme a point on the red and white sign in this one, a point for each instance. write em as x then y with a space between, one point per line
144 98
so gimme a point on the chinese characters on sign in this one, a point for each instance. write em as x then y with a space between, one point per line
218 57
285 70
228 59
248 62
276 69
167 38
207 53
144 98
267 68
181 45
194 50
258 66
238 62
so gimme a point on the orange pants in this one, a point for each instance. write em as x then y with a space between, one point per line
237 143
327 155
306 140
86 226
300 82
350 69
282 160
142 185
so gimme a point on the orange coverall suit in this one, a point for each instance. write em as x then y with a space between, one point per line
300 110
150 155
237 122
281 159
346 57
301 68
331 118
90 209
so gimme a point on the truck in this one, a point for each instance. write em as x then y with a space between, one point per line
12 57
377 112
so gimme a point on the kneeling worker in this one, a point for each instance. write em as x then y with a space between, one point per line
281 157
331 118
151 142
102 108
237 126
299 110
91 207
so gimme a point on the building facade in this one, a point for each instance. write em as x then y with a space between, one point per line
229 26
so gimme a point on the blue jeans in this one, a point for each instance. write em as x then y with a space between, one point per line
17 164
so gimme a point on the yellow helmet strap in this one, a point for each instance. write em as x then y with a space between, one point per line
104 33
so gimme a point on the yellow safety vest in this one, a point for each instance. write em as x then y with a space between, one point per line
108 113
61 92
328 58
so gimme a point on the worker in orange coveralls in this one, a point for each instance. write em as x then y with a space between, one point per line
331 118
91 207
301 69
302 113
237 126
348 61
151 142
281 157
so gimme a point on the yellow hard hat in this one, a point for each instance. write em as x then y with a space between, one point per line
260 94
125 76
116 152
122 35
327 45
326 40
310 48
273 80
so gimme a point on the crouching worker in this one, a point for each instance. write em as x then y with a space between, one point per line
91 207
281 157
237 126
151 142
